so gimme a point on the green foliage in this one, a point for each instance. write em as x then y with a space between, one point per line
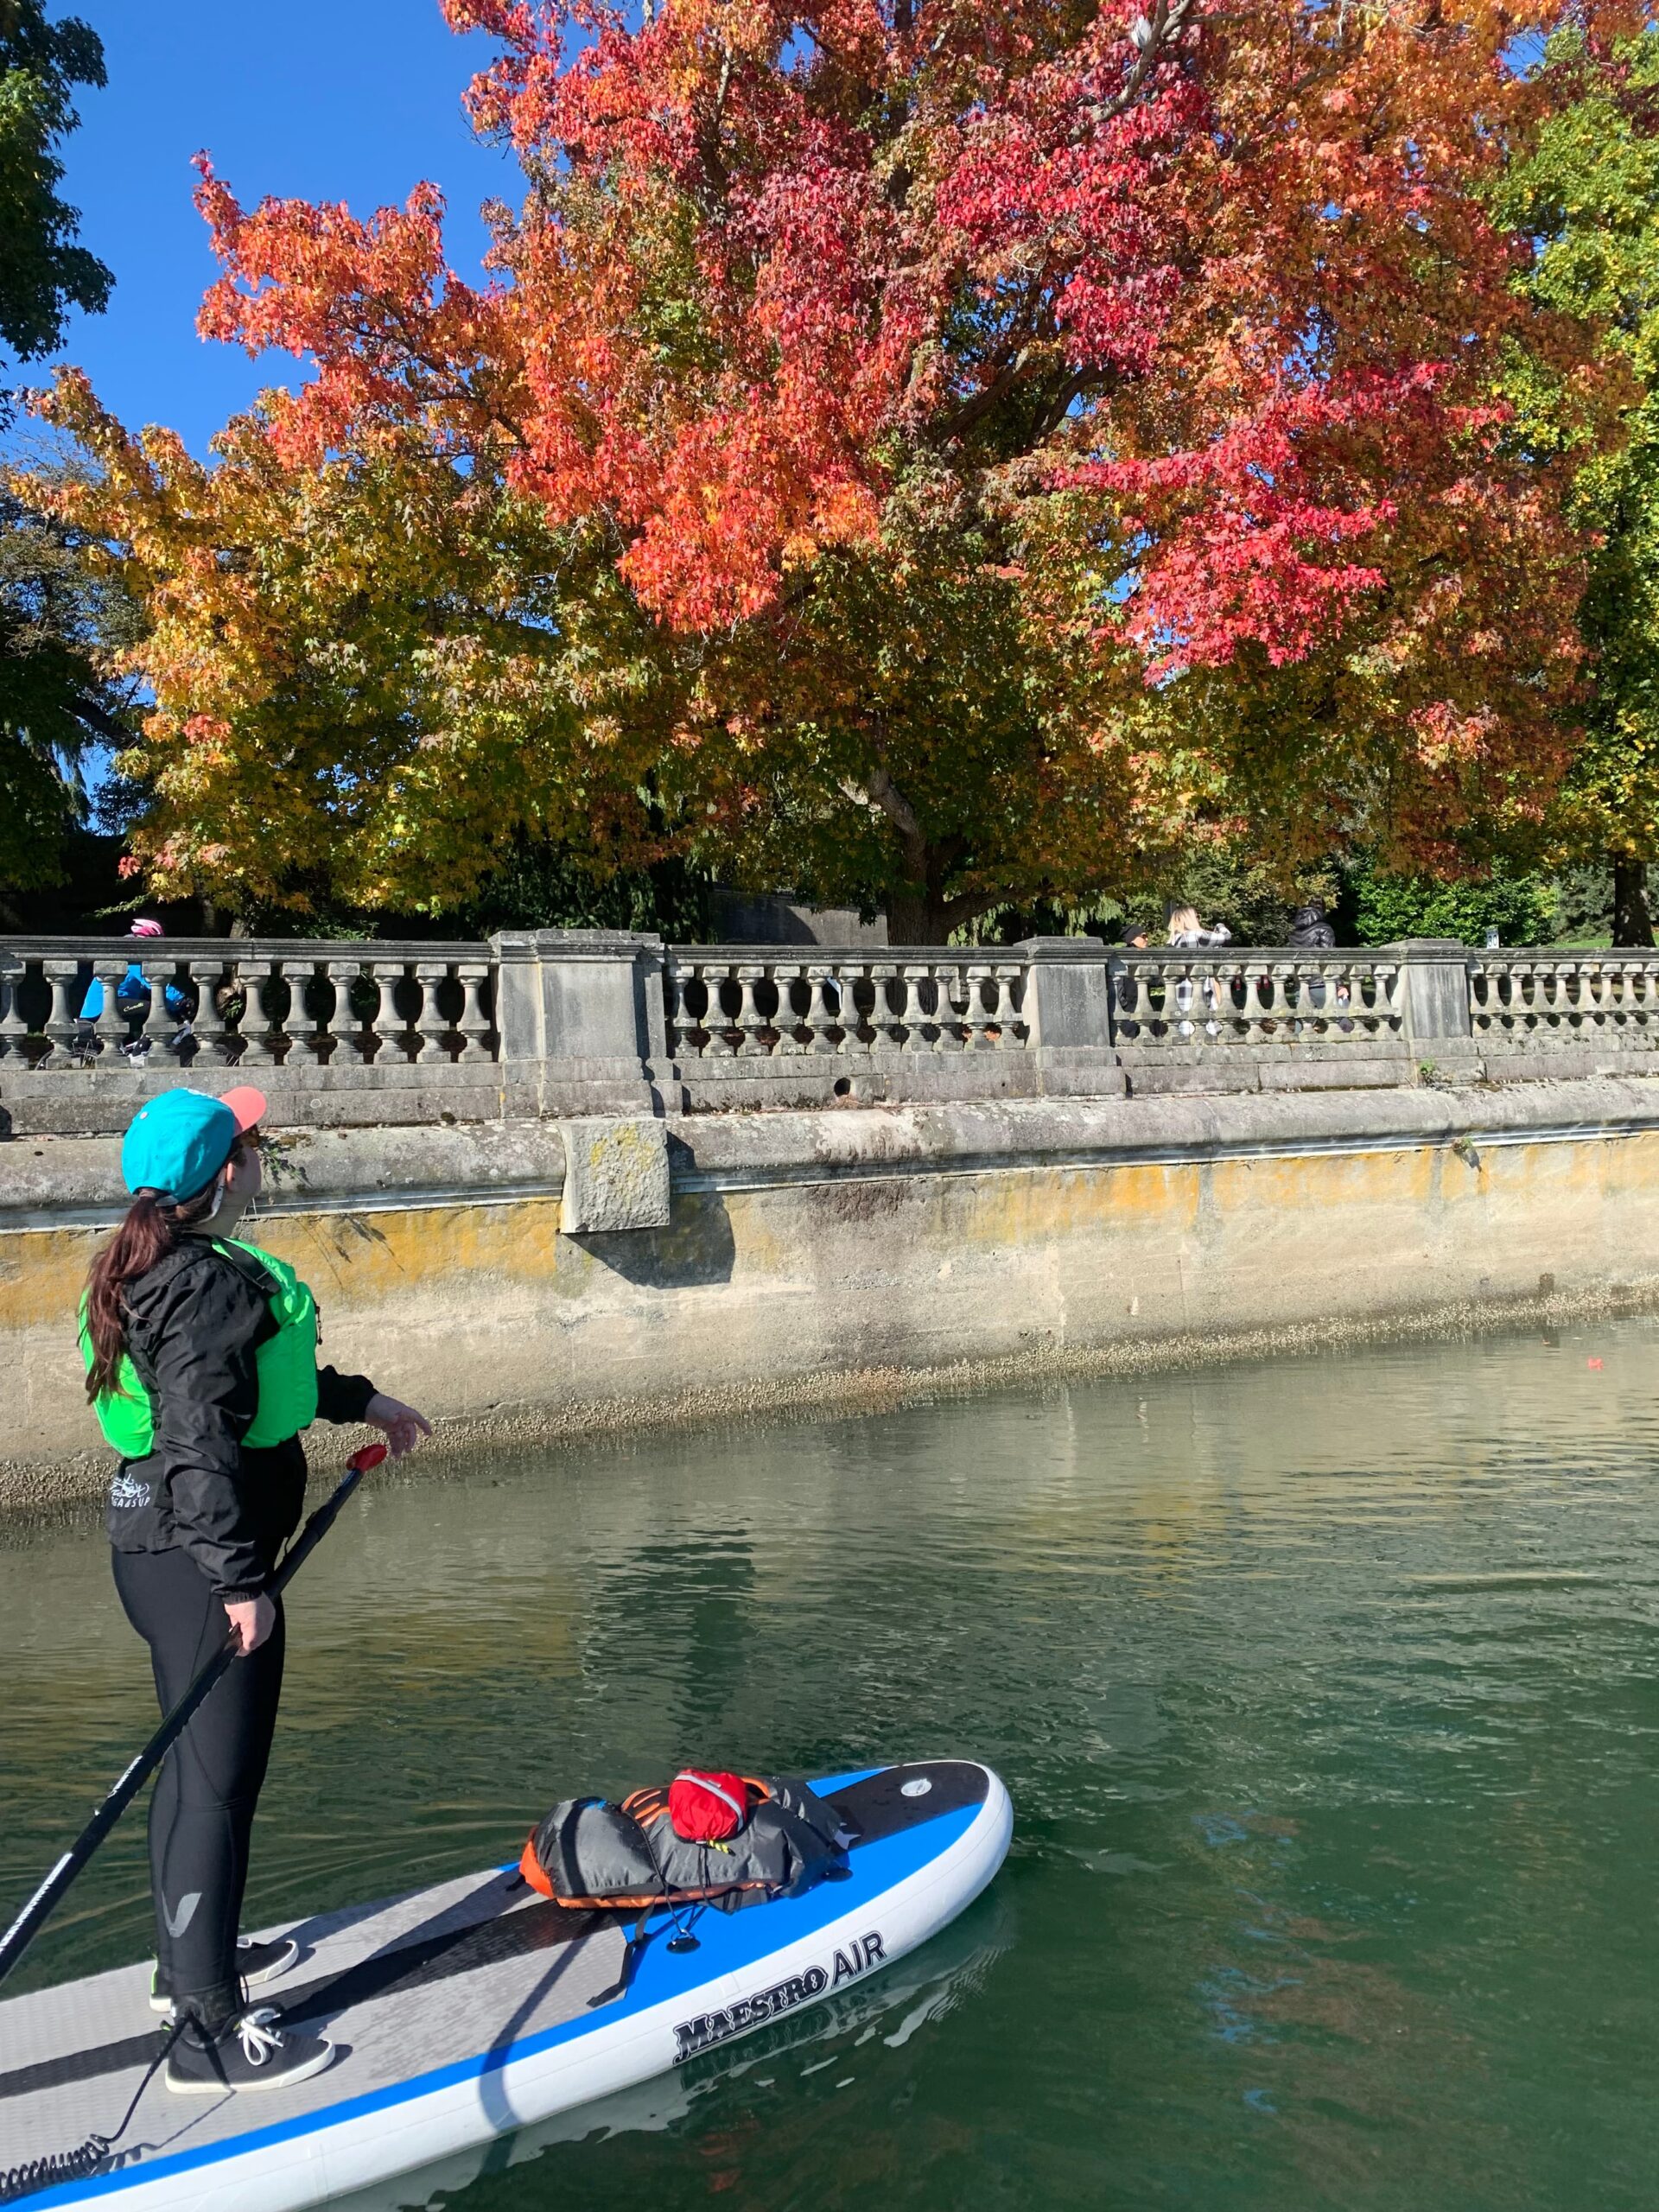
60 612
1589 195
1522 908
48 682
43 272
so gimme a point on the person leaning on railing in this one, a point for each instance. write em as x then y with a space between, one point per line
132 997
201 1365
1188 934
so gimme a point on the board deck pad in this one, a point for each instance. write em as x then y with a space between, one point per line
455 1973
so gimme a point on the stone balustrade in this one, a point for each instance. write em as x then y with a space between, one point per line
571 1023
1246 996
245 1003
1538 999
727 1001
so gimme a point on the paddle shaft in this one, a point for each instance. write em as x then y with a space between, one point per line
28 1922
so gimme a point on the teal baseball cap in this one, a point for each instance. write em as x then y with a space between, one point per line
177 1143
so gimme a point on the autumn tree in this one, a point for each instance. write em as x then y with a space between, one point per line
929 454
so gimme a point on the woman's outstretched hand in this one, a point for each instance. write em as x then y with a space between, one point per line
403 1427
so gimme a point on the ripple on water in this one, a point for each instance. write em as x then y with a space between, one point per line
1325 1689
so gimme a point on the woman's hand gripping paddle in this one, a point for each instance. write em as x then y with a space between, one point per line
28 1922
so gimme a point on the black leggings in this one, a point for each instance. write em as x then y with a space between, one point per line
201 1812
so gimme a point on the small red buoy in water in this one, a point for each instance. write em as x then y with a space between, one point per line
1593 1363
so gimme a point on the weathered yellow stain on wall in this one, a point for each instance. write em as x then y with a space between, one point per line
362 1260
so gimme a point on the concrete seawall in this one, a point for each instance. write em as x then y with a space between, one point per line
841 1257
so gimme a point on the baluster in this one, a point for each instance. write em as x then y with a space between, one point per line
257 1044
971 1010
784 975
1124 995
750 1021
348 1023
215 1022
914 1019
1395 983
1295 1001
67 993
887 1012
160 1026
1480 991
1508 998
13 1030
309 1000
952 1010
391 1028
1498 987
431 1025
823 1003
929 997
1011 1000
878 974
718 1021
1513 996
681 1026
475 1023
850 1015
903 1008
924 993
110 1027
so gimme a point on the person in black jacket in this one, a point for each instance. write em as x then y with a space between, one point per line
180 1327
1309 930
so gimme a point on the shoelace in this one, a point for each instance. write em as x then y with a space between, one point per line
259 2041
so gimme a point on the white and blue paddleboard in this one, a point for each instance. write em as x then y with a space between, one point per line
463 2013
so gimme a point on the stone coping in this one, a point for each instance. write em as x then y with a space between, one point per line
59 1181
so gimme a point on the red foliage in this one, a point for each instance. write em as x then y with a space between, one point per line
1185 327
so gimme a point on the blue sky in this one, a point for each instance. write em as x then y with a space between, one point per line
319 99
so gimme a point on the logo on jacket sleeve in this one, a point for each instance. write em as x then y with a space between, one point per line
691 2037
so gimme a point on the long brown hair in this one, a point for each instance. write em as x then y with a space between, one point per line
151 1227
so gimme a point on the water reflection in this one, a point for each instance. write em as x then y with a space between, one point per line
1326 1690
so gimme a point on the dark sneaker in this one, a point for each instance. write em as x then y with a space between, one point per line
253 2051
255 1963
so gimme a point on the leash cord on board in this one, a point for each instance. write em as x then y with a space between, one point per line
83 2161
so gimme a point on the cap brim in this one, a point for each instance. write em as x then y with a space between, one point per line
247 1104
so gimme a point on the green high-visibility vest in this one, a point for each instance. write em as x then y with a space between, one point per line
286 1365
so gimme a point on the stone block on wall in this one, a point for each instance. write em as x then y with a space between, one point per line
616 1174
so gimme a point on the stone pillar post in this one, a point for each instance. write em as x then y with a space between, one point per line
1434 997
584 1007
1068 1015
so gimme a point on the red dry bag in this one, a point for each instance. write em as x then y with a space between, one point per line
707 1807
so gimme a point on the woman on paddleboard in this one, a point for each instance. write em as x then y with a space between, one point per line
201 1365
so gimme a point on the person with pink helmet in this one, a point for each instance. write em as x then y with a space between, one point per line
132 997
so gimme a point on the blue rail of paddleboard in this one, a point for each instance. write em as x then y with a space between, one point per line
728 1943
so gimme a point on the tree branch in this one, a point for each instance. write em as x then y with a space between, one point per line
882 792
1149 35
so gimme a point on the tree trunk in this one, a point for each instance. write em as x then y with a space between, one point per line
913 918
1632 922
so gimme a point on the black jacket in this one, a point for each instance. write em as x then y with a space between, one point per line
193 1323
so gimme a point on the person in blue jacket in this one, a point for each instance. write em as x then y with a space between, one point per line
133 994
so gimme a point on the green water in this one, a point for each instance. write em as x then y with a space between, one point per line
1327 1693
